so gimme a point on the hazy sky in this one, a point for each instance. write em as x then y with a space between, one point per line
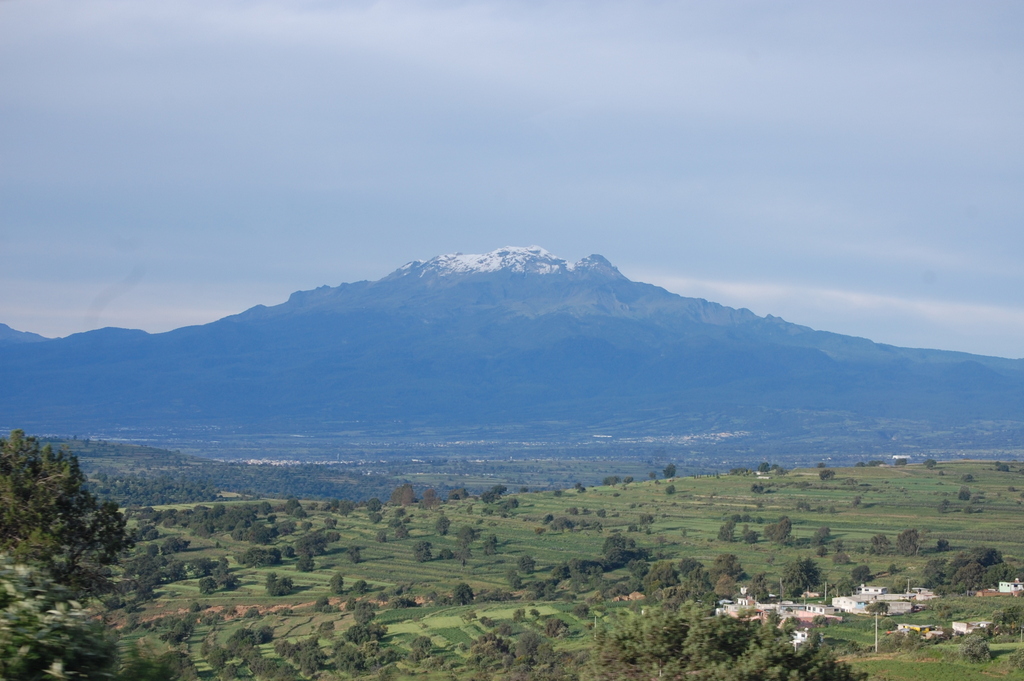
854 167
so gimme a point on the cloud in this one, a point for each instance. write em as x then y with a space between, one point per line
278 145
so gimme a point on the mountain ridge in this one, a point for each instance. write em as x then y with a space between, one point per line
513 338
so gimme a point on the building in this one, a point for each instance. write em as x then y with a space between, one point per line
921 594
919 628
865 590
849 603
963 628
1016 586
858 604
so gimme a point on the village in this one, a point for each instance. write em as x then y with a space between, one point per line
866 600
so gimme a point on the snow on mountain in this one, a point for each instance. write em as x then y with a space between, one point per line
533 259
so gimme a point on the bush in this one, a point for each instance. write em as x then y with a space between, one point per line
974 649
43 631
1016 659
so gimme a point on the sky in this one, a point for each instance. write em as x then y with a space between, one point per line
856 167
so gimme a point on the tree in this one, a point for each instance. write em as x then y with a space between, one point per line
403 495
726 564
490 545
670 471
430 499
725 587
930 463
908 542
278 586
442 525
463 594
44 634
420 648
964 494
526 563
880 545
860 574
877 608
758 587
660 575
678 645
801 575
466 536
48 517
826 474
779 532
969 577
421 551
727 531
337 585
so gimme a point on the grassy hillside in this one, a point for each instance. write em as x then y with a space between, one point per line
670 519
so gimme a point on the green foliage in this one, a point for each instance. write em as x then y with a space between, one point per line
463 594
908 542
48 517
801 575
337 584
779 532
974 648
278 586
43 633
880 545
1015 660
688 645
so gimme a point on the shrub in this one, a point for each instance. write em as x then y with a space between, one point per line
1016 659
974 649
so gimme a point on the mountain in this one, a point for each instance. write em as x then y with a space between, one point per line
9 336
512 341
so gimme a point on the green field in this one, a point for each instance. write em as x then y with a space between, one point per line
857 504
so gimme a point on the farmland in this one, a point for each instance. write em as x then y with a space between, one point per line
541 563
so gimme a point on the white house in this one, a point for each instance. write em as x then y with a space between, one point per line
865 590
858 604
1011 587
962 628
849 603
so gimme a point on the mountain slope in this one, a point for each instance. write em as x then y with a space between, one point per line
9 336
513 338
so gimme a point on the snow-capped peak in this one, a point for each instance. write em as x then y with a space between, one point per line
533 259
529 260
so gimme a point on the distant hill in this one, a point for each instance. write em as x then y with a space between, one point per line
9 336
516 340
